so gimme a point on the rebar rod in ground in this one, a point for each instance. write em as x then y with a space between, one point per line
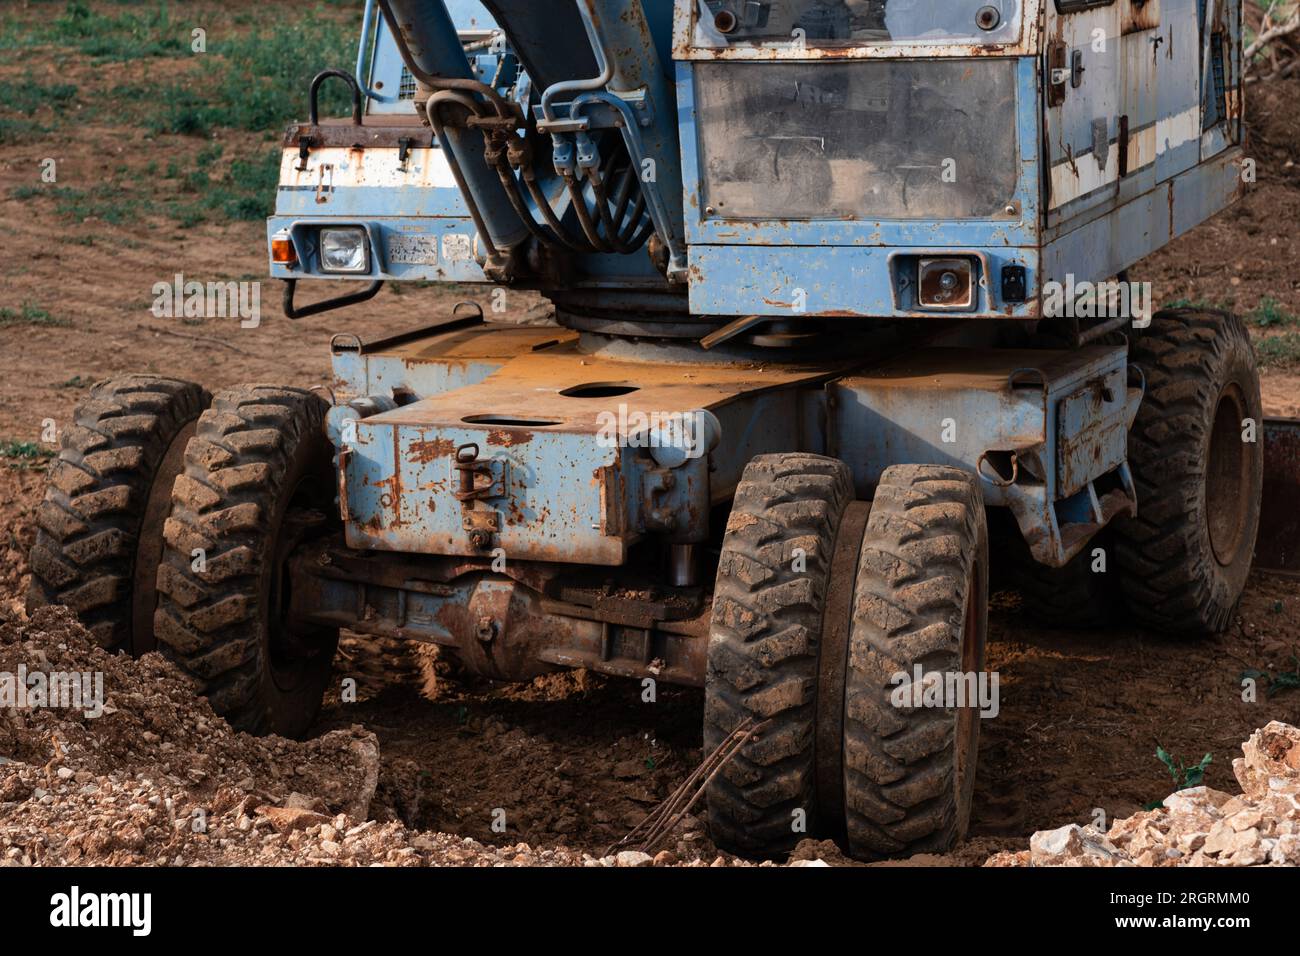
722 752
684 787
671 799
691 788
667 828
662 829
670 802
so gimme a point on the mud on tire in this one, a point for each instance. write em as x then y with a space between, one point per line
258 478
920 598
1185 557
764 640
98 528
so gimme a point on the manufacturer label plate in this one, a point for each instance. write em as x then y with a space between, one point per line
413 250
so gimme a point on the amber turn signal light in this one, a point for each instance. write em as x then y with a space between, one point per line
282 250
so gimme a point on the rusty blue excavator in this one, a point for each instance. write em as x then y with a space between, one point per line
840 287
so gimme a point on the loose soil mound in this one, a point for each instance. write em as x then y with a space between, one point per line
141 772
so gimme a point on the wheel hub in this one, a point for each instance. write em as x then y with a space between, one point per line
1227 477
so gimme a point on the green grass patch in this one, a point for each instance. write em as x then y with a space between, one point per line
248 190
243 189
20 129
258 80
110 202
27 192
1196 304
254 76
253 73
28 95
29 314
144 30
1270 314
24 454
1278 350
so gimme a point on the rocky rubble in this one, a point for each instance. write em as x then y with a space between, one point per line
149 775
1198 826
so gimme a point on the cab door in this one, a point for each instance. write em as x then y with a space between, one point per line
1101 102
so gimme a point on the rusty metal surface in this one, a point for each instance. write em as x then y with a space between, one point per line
427 362
633 606
506 625
687 13
1278 545
541 385
1090 422
348 135
1037 425
425 334
575 483
674 654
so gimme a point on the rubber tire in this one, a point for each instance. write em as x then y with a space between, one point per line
1170 576
925 554
764 640
118 457
1073 597
255 450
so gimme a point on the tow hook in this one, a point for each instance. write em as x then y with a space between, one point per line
479 524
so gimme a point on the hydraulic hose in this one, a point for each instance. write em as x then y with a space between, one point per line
579 202
433 107
510 183
548 213
612 233
581 86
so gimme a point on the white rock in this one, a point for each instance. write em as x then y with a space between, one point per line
1226 841
1286 851
1270 760
1072 845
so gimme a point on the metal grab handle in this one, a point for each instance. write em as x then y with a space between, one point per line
996 478
369 39
321 77
1019 378
316 308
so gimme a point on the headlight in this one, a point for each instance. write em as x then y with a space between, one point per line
946 284
344 250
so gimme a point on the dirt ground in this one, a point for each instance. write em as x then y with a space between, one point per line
576 760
